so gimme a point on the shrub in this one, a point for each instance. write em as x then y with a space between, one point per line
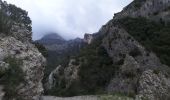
156 71
135 52
154 36
12 78
42 49
10 14
5 23
76 62
97 69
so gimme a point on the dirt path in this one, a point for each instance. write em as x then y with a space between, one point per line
101 97
70 98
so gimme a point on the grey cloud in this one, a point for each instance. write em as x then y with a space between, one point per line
69 18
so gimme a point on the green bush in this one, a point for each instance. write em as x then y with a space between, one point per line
154 36
135 52
20 16
96 67
42 49
10 14
5 23
12 78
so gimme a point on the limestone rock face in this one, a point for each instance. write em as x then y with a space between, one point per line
20 32
69 74
88 38
32 66
51 82
16 43
153 86
119 43
144 8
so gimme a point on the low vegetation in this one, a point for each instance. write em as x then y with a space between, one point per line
12 78
41 49
154 36
10 14
5 23
96 68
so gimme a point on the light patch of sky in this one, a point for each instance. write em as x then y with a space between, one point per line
69 18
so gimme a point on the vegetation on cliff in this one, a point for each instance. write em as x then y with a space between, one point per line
154 36
12 78
10 14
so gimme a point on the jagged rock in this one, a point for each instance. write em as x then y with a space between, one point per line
126 80
69 74
88 38
130 66
143 8
153 86
119 43
52 78
20 32
32 66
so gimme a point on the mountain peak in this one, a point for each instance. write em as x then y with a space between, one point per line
53 36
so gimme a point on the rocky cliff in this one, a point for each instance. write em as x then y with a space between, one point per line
59 50
144 8
21 64
122 59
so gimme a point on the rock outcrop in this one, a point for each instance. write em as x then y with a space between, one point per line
60 74
88 38
32 66
132 57
144 8
16 45
153 85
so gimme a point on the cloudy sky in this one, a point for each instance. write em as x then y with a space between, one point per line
69 18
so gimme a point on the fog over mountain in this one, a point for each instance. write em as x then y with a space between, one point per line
69 18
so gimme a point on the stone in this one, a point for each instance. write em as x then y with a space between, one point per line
32 66
88 38
153 86
69 74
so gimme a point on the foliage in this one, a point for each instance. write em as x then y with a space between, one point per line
42 49
12 78
155 36
10 14
20 16
96 70
135 52
5 23
96 67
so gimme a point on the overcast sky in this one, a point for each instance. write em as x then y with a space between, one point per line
69 18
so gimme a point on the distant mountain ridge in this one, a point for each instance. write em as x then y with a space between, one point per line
59 49
51 38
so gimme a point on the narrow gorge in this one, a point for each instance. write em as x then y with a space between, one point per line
127 59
